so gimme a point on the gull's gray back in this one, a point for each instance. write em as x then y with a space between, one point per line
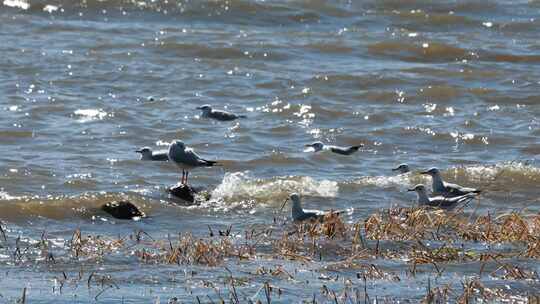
298 213
160 156
185 156
343 150
222 115
302 216
450 202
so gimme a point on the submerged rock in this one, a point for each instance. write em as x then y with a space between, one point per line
123 210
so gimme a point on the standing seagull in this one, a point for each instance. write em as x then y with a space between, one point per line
148 154
208 112
319 146
440 201
186 159
402 169
447 189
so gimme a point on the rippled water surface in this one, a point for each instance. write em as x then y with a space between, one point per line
452 84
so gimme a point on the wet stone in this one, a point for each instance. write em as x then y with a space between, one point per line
123 210
183 192
188 195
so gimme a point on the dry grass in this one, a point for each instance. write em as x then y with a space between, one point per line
411 236
189 250
401 224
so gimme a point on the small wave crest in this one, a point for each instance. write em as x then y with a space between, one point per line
402 180
507 175
241 186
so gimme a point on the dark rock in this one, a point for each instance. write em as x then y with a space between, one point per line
122 210
183 192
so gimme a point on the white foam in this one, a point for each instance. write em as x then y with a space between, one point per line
515 169
5 196
50 8
90 114
400 180
242 185
17 3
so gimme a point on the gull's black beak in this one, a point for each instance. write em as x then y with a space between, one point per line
283 205
199 108
138 151
395 169
411 190
308 145
424 172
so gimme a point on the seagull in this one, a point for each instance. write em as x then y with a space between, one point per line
299 214
319 146
186 159
148 154
440 201
402 168
447 189
220 115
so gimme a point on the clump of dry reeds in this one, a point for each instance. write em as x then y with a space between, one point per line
189 250
402 224
91 246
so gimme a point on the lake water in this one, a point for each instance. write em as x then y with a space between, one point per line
83 84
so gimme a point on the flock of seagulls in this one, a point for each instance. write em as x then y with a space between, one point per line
446 195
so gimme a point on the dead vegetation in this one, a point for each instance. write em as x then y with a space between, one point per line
410 224
415 237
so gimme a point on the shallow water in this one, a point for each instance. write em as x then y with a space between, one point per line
453 84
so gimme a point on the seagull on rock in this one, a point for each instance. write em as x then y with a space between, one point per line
186 159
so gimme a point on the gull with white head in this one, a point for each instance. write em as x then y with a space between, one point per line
440 201
300 214
208 112
186 159
447 189
319 146
148 154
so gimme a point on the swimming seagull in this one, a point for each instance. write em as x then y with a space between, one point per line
220 115
319 146
440 201
447 189
148 154
402 168
186 159
299 214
